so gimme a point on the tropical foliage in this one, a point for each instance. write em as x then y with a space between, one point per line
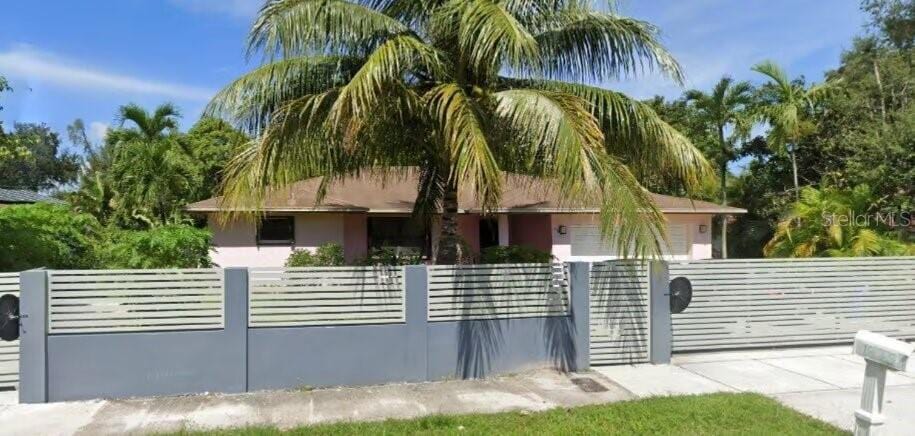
169 246
514 254
54 236
45 235
463 90
146 170
836 223
856 128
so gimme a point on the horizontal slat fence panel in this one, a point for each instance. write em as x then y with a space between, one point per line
750 303
619 312
472 292
109 301
9 351
324 296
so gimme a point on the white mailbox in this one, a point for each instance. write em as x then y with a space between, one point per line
889 352
880 353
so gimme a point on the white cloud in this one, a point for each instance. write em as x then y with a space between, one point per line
97 131
236 8
29 65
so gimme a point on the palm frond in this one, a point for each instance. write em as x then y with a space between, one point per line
490 37
462 129
774 72
567 150
386 66
598 46
299 27
250 100
638 136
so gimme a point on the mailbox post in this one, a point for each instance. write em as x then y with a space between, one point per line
880 353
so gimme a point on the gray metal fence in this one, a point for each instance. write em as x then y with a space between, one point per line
749 303
620 324
89 334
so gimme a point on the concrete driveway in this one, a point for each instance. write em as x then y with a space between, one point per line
824 382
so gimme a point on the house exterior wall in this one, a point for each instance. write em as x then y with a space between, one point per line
699 245
235 243
530 230
355 236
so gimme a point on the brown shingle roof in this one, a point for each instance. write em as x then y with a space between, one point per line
396 194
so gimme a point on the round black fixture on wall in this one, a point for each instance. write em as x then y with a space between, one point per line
681 293
9 317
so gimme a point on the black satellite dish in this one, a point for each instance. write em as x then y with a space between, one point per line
681 293
9 317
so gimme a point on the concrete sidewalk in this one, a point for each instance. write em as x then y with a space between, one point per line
532 391
824 382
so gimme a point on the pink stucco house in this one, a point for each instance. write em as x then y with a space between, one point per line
371 211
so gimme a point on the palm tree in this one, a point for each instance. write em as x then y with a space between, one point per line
725 109
151 173
787 106
149 126
830 222
465 90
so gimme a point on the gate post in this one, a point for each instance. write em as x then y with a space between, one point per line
236 295
580 312
33 339
416 305
659 316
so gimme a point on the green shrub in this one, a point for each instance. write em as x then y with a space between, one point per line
169 246
46 235
514 254
329 254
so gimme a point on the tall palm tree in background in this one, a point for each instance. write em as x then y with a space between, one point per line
149 126
787 107
466 90
140 174
726 111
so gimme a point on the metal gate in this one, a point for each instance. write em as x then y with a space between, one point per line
758 303
620 327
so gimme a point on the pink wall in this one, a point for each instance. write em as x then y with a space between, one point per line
235 244
469 229
355 236
530 230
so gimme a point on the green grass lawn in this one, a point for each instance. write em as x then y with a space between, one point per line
706 414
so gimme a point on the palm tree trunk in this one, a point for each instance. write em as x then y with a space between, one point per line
447 253
724 202
880 89
724 192
797 188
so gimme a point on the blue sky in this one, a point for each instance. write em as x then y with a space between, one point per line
82 59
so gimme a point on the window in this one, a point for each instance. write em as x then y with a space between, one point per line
489 232
276 230
396 232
